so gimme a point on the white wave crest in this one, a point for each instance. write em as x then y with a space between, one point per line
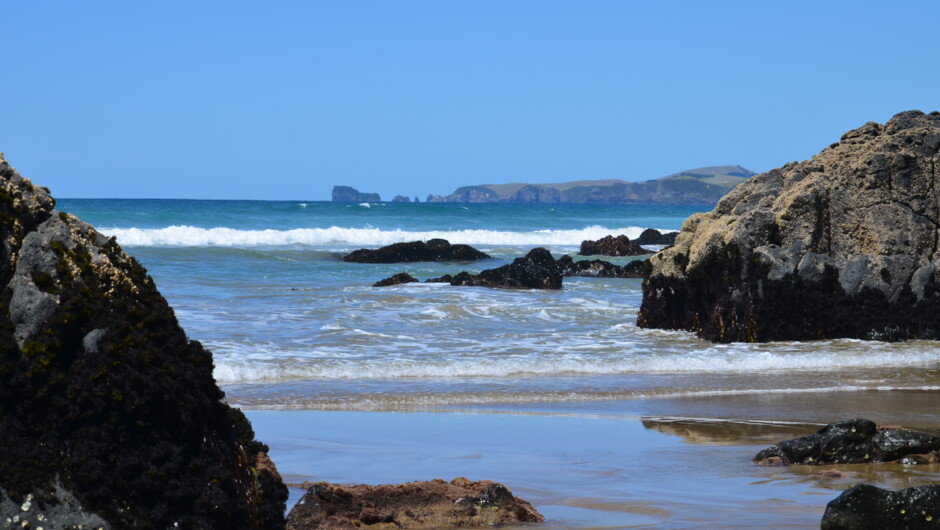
191 236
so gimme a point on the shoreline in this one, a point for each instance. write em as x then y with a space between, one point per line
677 462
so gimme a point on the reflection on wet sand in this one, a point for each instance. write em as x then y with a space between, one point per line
727 432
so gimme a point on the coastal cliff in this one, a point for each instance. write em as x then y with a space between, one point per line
842 245
109 415
704 185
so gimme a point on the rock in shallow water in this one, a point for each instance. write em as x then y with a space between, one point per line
109 415
433 504
842 245
612 246
850 442
433 250
535 270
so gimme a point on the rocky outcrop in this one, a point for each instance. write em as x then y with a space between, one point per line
401 198
398 279
601 269
612 246
536 270
866 506
349 194
109 414
855 441
414 251
433 504
842 245
651 236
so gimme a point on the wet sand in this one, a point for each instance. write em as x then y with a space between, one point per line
678 462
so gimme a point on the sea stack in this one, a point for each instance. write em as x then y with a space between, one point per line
109 414
842 245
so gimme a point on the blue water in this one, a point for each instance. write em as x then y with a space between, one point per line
290 325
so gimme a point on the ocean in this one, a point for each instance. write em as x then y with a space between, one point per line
292 326
558 394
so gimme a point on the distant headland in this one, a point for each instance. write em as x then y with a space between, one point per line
704 185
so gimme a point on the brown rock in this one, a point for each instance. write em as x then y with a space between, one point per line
432 504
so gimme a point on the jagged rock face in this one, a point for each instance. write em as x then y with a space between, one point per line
866 506
109 415
459 503
842 245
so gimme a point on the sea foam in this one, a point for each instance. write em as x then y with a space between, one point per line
191 236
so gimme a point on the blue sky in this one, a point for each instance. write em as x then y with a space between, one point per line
282 100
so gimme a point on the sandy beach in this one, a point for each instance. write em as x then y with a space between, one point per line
678 462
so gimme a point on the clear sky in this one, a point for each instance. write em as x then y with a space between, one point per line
283 100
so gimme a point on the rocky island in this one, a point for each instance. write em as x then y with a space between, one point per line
844 245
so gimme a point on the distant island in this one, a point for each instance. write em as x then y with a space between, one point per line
704 185
350 194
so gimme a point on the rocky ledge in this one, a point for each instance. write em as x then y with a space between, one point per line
433 504
842 245
109 414
855 441
414 251
866 506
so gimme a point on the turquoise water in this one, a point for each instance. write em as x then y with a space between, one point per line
292 326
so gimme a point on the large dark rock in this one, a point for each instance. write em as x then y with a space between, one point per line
433 250
866 506
433 504
109 415
612 246
350 194
536 270
842 245
849 442
651 236
601 269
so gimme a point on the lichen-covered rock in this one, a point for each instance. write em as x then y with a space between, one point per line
107 411
851 442
433 250
842 245
535 270
432 504
866 506
612 246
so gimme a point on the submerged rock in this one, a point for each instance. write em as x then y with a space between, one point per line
651 236
536 270
433 504
866 506
842 245
398 279
612 246
433 250
851 442
109 414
